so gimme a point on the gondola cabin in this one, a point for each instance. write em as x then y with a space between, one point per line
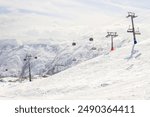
91 39
93 48
73 44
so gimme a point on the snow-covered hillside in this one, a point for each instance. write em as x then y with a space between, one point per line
51 57
121 74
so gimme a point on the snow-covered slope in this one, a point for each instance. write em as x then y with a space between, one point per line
47 29
121 74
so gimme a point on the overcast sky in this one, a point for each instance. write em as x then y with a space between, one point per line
29 18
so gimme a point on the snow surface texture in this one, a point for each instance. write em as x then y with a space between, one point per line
121 74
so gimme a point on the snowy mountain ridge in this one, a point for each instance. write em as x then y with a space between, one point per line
52 57
121 74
